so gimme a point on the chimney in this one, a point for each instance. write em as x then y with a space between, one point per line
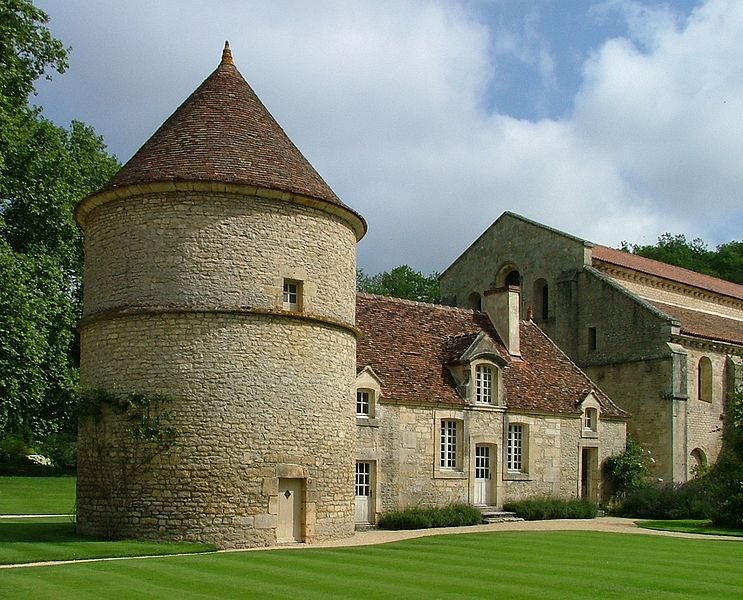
502 307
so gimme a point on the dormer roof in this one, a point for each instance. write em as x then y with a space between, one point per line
223 133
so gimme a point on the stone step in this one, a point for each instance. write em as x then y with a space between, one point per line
498 516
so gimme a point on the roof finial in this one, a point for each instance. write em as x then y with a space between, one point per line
227 55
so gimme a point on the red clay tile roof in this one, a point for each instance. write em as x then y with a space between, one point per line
408 344
704 325
223 133
665 271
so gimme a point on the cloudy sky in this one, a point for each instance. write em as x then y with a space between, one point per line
611 120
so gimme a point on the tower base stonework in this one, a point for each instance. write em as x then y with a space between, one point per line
242 440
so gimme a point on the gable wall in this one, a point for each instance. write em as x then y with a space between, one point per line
537 252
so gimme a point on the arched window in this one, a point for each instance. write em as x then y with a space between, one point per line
474 301
704 379
513 278
507 275
698 459
541 300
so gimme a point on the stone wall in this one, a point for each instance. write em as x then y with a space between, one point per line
183 297
216 251
405 444
705 417
535 252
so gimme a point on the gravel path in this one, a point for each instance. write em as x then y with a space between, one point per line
608 524
378 536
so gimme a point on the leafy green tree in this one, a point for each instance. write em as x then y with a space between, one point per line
724 482
27 51
627 471
44 171
400 282
726 262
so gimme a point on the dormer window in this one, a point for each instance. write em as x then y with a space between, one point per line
292 295
363 403
590 419
368 393
484 377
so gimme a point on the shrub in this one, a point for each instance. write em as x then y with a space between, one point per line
666 501
537 509
725 479
13 449
452 515
626 472
61 448
725 492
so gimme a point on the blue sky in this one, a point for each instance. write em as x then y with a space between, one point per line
611 120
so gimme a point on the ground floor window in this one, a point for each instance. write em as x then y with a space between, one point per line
515 454
448 451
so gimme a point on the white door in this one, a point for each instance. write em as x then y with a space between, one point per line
364 504
482 475
290 511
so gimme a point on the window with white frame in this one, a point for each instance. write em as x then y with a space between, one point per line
590 419
516 444
363 403
484 384
292 294
449 443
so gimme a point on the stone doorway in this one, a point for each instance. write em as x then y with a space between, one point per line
291 516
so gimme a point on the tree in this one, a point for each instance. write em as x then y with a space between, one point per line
44 171
726 262
27 50
724 482
400 282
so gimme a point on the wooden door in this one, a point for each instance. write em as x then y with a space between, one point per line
482 475
290 511
364 503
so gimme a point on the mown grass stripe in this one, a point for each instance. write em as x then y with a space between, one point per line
507 564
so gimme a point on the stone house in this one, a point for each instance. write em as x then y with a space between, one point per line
448 412
220 272
665 343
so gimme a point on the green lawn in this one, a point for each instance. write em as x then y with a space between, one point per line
37 495
35 540
482 565
689 526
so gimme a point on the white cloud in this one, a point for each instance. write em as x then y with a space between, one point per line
387 100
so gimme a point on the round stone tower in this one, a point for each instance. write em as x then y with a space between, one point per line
220 275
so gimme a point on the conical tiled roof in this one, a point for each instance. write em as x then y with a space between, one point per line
223 133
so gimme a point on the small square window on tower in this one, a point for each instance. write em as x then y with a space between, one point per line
292 295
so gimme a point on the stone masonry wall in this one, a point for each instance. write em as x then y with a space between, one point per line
253 397
705 419
536 252
216 250
406 445
183 297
